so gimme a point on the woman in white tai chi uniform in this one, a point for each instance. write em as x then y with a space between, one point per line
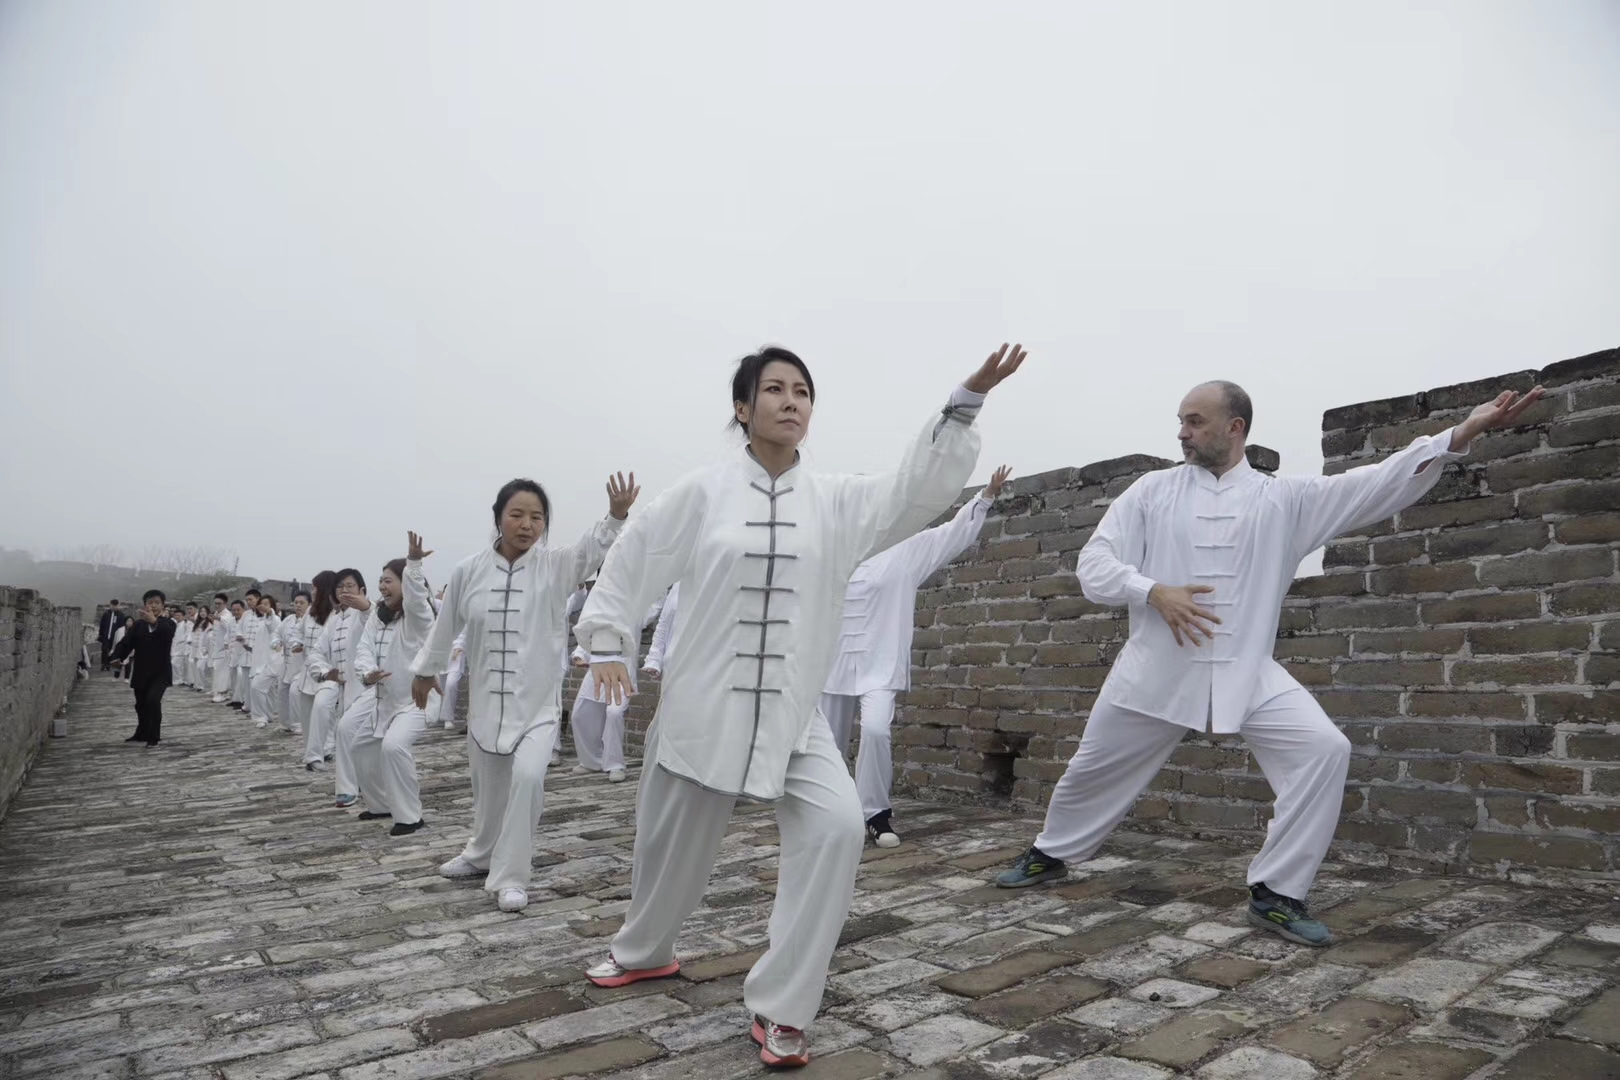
509 600
265 666
1203 555
220 656
762 549
332 664
320 738
453 677
380 730
873 662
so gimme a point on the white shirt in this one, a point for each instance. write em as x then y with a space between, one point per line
664 632
1243 533
292 637
246 627
180 647
390 646
874 649
266 641
515 621
224 633
762 563
334 651
588 684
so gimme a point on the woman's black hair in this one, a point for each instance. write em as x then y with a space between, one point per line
511 488
745 383
325 586
349 571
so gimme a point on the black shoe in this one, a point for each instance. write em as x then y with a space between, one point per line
1033 867
880 831
402 829
153 743
135 738
371 815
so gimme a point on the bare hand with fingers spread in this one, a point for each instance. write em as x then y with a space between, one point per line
612 682
1180 608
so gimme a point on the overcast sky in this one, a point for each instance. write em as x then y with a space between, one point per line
295 277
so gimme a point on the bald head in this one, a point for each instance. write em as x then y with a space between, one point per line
1216 418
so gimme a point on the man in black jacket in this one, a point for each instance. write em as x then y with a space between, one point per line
106 627
149 640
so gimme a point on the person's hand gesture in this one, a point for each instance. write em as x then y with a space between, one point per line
1503 410
998 480
991 373
421 687
414 552
612 682
1180 608
621 494
374 677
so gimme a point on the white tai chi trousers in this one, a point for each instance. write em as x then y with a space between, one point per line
679 827
264 696
284 709
223 674
324 717
1304 757
874 761
177 668
452 690
598 729
384 765
509 791
241 683
302 706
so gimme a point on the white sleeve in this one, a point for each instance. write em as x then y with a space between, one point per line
928 551
1108 564
447 630
666 627
1328 506
650 555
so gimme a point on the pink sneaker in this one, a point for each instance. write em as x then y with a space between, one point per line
780 1047
610 974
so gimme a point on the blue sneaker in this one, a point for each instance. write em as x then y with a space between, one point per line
1033 867
1286 917
345 800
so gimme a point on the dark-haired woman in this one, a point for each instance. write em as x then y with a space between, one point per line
763 550
509 601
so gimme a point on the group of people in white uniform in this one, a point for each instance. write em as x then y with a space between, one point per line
783 602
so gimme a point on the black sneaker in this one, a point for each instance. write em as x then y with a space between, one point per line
372 815
1286 917
880 831
402 828
1033 867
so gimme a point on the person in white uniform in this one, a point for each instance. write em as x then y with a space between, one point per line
598 724
333 662
380 730
874 650
453 676
763 549
575 601
1202 555
510 601
180 647
320 736
191 646
663 642
264 665
224 636
247 621
202 647
292 661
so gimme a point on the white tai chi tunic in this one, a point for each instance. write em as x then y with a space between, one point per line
299 638
874 648
599 725
762 562
513 616
242 657
663 642
452 679
334 651
292 670
223 664
180 651
1244 533
380 729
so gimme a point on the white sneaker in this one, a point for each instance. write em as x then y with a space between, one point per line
462 867
580 770
314 766
261 723
616 776
449 725
556 757
218 699
513 900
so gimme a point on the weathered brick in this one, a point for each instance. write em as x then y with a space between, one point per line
1604 819
1603 364
1316 647
1443 642
1528 638
1488 607
1401 580
1522 671
1557 779
1399 549
1356 704
1329 585
1431 515
1522 740
1570 498
1371 413
1396 436
595 1058
1583 430
1548 567
1601 707
1508 538
509 1013
1588 598
1596 463
1589 529
1556 851
1603 747
1463 704
1367 614
1391 672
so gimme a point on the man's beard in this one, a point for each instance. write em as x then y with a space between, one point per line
1211 457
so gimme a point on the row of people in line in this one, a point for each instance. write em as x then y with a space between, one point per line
765 553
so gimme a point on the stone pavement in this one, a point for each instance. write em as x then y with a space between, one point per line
200 911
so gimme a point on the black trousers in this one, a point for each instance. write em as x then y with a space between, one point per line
106 656
149 711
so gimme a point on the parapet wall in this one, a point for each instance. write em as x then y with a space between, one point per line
40 647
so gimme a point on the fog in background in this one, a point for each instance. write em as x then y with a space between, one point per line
292 278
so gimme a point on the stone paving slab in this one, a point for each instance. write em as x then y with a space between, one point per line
199 911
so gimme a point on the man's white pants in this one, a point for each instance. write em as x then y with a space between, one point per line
384 765
1304 757
874 761
598 729
241 683
264 693
177 668
509 792
326 717
679 827
223 673
284 709
302 707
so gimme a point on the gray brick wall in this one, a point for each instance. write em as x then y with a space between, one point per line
1470 647
37 658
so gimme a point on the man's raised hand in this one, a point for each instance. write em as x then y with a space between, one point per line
1001 364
